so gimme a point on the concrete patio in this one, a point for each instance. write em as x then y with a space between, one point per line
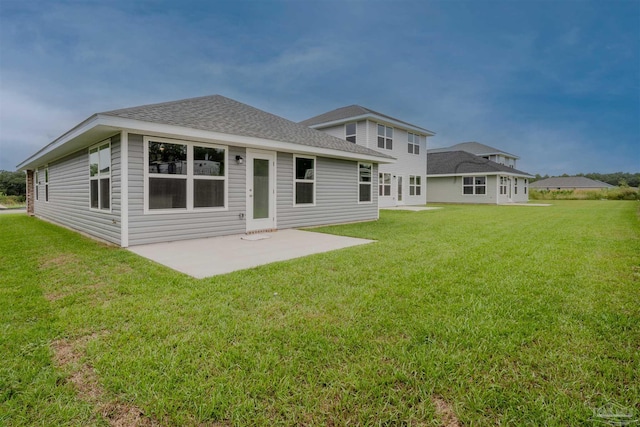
202 258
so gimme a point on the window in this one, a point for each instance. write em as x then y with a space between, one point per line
37 181
384 184
385 137
46 183
100 176
474 185
365 173
304 180
503 185
350 132
185 175
515 187
413 146
415 185
525 186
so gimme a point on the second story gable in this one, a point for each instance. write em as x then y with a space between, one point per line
374 130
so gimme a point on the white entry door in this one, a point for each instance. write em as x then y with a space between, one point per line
261 197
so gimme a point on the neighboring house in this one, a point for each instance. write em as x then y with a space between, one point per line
569 183
200 167
462 177
399 183
484 151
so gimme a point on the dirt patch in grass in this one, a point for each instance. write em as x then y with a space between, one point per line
68 354
59 261
445 412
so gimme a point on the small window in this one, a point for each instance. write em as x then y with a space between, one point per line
304 180
385 137
365 171
384 184
526 182
46 183
37 186
474 185
350 132
413 145
100 176
415 185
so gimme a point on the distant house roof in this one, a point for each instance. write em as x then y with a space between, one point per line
357 112
209 117
462 162
473 148
569 182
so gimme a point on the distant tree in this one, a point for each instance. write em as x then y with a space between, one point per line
13 183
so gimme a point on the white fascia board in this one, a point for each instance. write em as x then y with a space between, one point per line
376 118
179 132
447 175
78 130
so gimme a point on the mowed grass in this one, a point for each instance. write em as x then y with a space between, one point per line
503 315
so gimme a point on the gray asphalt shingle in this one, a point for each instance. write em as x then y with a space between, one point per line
459 162
217 113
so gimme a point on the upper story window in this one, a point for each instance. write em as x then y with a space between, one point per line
185 175
304 180
474 185
385 137
350 132
100 176
365 171
413 146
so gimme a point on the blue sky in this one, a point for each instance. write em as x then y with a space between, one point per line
555 82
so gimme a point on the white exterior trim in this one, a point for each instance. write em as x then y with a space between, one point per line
189 177
124 189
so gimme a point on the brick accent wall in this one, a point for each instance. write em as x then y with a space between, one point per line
30 196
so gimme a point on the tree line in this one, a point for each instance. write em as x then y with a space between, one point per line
622 179
13 183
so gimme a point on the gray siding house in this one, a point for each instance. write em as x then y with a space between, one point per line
399 183
200 167
462 177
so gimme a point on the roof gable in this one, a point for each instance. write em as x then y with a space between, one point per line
351 112
462 162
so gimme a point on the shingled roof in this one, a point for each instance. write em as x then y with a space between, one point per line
347 113
474 148
462 162
569 182
217 113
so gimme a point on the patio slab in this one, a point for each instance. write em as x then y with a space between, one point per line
212 256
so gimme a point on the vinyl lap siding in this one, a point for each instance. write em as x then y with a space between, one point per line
69 195
336 194
164 227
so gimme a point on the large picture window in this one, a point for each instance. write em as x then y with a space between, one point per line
304 180
474 185
184 175
385 137
365 173
415 185
384 184
100 176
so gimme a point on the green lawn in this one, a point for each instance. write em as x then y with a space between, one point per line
481 315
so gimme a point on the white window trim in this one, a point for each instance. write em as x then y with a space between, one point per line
189 177
354 134
382 184
413 144
313 181
99 175
46 184
37 184
415 186
386 137
362 182
474 185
